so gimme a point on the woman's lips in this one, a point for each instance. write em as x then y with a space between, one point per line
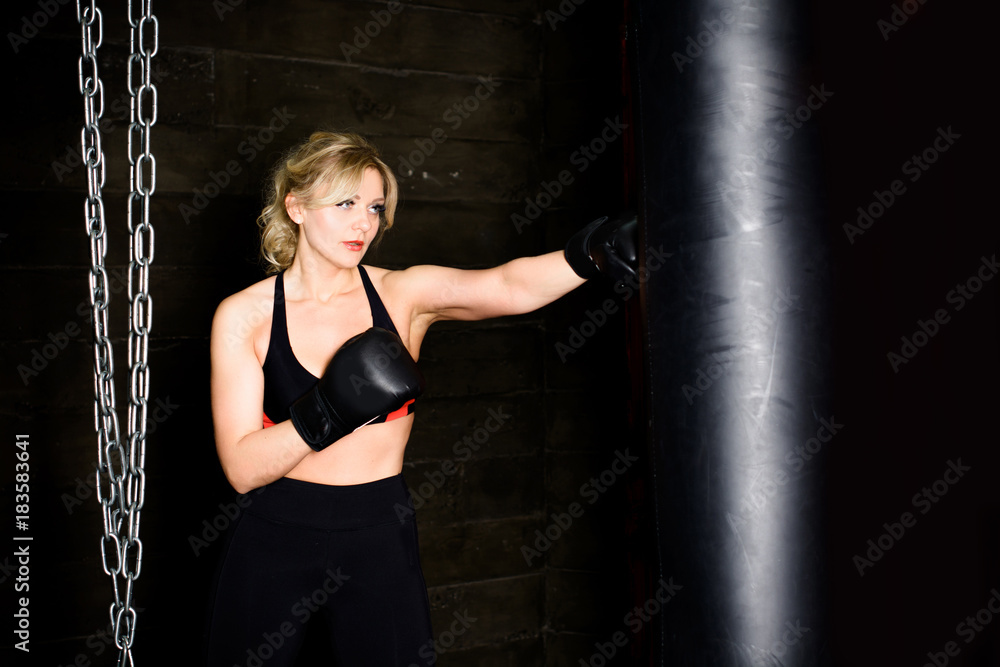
356 246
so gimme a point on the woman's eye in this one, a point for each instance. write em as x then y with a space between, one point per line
378 208
346 204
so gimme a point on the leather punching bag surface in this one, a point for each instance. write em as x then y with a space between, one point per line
736 321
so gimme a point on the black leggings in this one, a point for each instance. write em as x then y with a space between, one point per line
345 556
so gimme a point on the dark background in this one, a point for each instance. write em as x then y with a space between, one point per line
902 428
227 67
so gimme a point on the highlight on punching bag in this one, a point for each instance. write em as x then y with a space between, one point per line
737 359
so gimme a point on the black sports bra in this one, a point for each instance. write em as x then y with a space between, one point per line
285 379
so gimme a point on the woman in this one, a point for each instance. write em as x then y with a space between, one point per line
313 381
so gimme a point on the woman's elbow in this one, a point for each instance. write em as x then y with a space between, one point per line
239 479
242 488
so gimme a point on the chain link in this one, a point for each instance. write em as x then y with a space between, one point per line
120 473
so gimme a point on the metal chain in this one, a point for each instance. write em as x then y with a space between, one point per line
142 178
120 474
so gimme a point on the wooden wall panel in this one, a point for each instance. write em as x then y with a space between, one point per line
221 76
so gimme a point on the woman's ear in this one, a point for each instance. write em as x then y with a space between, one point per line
294 208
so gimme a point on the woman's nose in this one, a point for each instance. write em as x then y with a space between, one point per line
362 222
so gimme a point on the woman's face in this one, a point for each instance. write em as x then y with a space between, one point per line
341 233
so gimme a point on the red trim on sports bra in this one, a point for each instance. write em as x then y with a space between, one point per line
395 414
401 412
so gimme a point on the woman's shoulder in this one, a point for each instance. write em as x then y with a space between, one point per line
398 277
378 276
393 283
250 306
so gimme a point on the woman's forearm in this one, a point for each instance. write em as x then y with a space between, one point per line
260 457
533 282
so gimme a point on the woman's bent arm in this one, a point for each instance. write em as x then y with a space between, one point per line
251 456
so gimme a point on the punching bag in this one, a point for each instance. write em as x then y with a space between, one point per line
736 353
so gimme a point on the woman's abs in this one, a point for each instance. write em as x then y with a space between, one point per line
371 453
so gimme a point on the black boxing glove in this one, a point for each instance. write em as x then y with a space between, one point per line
370 375
606 246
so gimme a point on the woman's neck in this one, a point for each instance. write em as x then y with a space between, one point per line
320 281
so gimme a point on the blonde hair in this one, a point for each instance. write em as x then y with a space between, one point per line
325 169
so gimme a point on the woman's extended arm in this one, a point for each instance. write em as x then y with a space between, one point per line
519 286
605 246
250 456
